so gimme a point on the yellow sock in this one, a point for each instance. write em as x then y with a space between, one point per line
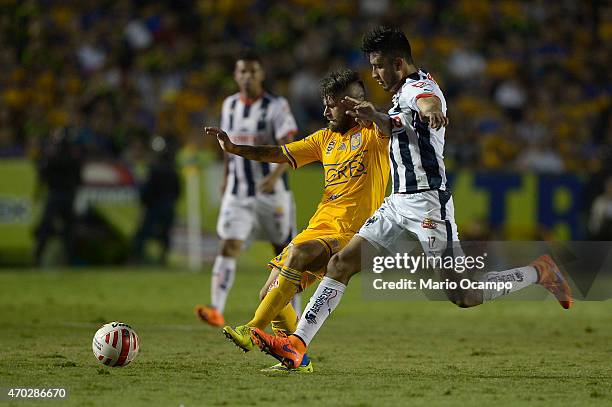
274 302
285 321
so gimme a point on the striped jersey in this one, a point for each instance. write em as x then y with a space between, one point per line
265 120
416 150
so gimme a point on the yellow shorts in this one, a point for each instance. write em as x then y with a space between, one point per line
333 242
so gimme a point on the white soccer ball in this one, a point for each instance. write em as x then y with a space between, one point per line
115 344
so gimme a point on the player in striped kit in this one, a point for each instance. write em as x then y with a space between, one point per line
257 202
420 206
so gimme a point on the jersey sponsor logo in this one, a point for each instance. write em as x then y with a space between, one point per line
517 276
332 197
341 173
320 301
356 140
330 147
428 223
310 318
371 220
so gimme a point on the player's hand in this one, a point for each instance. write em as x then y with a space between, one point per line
435 118
364 112
267 184
222 137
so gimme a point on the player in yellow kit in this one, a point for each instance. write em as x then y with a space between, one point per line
356 168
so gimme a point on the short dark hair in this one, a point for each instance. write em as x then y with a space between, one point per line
248 55
336 82
389 41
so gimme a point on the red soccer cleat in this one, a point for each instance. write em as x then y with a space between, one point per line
210 315
553 280
283 348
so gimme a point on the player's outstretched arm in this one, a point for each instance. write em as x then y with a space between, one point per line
270 154
268 183
430 111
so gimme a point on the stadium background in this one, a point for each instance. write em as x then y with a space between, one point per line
527 84
529 149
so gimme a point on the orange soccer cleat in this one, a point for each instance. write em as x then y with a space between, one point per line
289 350
553 280
210 315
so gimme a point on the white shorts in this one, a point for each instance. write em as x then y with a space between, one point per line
268 217
427 217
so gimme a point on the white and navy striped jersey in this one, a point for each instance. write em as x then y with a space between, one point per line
262 121
416 150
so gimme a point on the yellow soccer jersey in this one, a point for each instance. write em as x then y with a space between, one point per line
356 166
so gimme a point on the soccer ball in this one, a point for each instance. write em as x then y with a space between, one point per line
115 344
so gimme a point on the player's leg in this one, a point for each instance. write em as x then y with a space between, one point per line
276 220
341 267
291 350
224 272
308 255
285 323
296 300
280 287
543 271
379 232
222 280
432 223
234 226
286 320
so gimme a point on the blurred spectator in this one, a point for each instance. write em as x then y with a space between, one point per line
158 197
600 222
540 157
59 169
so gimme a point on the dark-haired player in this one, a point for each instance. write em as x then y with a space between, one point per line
257 202
420 205
356 166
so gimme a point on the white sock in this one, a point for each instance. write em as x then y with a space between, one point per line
325 299
519 277
296 302
223 273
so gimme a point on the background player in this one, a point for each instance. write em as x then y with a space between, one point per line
257 202
356 174
420 194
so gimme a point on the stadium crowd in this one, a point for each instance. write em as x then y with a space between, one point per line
527 83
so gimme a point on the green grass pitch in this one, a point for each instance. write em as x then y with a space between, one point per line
368 354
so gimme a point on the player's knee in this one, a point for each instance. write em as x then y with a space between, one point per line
298 256
341 268
230 248
465 299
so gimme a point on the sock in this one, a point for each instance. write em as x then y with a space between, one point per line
325 299
519 277
223 274
285 322
296 302
274 302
